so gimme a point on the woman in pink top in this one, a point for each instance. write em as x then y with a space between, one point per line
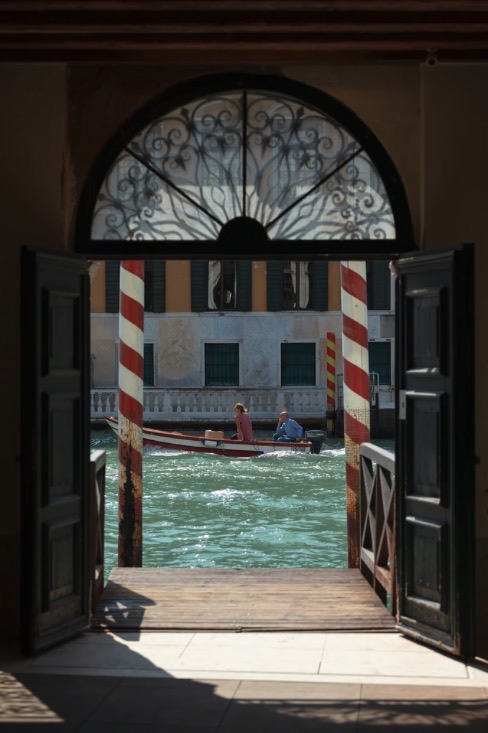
243 423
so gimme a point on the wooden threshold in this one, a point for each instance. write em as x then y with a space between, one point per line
257 599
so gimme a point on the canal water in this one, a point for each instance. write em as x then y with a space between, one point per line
282 510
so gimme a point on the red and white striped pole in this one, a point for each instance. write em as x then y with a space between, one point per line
331 371
356 389
131 395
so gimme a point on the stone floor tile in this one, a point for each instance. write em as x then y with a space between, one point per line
266 690
156 727
422 692
269 640
282 716
220 687
52 698
111 655
170 703
478 672
249 660
145 638
422 715
391 663
381 642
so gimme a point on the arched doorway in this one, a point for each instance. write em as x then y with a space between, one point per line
253 168
54 580
249 169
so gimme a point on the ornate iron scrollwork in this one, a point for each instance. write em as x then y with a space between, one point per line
291 168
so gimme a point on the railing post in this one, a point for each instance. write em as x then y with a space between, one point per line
377 521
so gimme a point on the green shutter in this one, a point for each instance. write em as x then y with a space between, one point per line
221 365
199 300
274 285
320 286
380 360
378 277
244 286
148 378
112 286
159 286
298 365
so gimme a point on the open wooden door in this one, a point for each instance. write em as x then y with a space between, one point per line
435 448
55 449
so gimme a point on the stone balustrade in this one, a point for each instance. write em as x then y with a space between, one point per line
207 404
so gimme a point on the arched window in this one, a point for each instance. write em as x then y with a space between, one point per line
247 165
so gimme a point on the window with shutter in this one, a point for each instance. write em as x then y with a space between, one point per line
380 360
379 285
221 365
221 285
148 377
294 285
298 364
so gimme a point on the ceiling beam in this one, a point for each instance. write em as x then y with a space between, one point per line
255 31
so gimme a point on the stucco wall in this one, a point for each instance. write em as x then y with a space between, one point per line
32 132
455 192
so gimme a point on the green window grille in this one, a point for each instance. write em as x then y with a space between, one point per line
148 365
380 360
298 365
221 365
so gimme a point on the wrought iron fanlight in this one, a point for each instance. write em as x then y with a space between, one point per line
244 160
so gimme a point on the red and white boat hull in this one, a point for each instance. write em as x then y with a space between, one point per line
221 447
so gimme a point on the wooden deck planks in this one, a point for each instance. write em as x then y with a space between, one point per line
257 599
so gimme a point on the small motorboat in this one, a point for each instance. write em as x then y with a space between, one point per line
213 441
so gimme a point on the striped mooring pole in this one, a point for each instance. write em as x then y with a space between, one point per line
356 389
131 365
331 371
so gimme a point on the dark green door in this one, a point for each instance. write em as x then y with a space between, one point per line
55 449
435 448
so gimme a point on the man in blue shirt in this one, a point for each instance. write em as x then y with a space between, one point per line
287 430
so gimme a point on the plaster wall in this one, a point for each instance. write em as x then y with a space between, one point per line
32 134
454 184
179 339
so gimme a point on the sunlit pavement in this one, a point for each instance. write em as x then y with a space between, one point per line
242 681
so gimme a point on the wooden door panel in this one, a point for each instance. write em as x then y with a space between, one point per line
427 417
55 443
435 463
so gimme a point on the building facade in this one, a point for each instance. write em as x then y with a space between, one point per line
256 332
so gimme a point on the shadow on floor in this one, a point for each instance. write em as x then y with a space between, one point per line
95 703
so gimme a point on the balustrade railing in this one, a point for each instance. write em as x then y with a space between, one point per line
194 404
377 521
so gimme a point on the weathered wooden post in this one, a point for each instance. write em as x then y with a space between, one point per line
131 395
356 389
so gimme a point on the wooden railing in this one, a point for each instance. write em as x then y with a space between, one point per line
97 525
377 521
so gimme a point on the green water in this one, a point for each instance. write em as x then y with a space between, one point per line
280 510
